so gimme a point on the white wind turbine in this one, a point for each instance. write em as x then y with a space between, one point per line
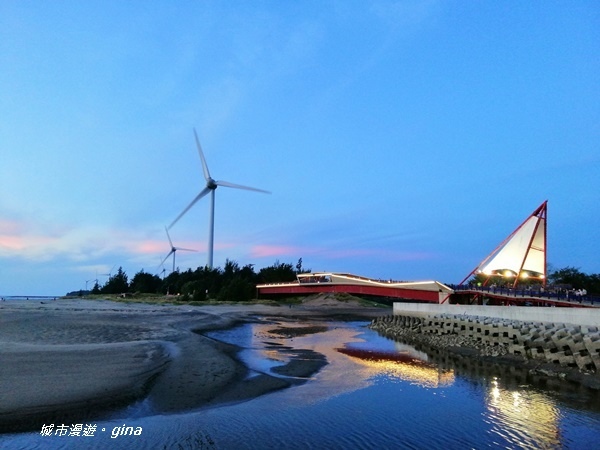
211 186
173 250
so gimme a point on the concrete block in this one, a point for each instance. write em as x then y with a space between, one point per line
516 349
583 361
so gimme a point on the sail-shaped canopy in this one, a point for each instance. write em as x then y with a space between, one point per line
522 253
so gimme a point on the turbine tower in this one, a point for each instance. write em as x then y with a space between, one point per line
211 186
173 250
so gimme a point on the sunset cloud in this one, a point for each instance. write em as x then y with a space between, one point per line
20 240
264 251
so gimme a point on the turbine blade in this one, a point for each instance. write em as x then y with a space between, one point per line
185 249
239 186
166 257
198 197
169 237
204 165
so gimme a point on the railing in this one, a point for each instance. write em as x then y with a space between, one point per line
562 295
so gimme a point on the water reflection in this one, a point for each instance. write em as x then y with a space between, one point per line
523 416
411 397
516 413
267 338
402 366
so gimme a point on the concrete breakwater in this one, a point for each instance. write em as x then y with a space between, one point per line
565 345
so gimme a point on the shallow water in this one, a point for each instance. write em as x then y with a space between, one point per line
374 393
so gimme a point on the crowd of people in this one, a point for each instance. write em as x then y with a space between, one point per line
558 292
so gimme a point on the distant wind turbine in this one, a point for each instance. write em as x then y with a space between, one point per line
109 274
211 186
162 272
173 250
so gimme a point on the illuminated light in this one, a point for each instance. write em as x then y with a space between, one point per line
508 274
531 418
524 275
495 393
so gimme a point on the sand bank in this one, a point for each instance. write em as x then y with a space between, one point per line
67 360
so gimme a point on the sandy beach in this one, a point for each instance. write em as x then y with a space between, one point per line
67 360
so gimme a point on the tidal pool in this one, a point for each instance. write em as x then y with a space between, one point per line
373 393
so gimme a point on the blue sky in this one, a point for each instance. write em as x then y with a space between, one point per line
399 139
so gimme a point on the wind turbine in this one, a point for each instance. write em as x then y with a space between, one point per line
162 272
109 274
173 250
211 186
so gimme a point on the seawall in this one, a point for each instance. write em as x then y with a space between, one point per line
574 316
563 344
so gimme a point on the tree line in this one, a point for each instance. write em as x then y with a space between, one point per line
576 279
232 282
235 282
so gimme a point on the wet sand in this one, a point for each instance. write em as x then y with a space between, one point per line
69 360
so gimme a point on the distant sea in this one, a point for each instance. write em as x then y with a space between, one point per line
29 297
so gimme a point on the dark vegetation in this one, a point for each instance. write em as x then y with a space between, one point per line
235 283
574 278
231 283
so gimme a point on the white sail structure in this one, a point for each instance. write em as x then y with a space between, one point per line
522 253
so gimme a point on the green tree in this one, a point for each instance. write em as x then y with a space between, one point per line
145 283
247 273
237 290
277 273
195 289
170 284
300 269
233 282
576 279
212 279
116 284
569 275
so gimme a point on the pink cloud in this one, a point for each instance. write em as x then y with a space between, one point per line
10 227
12 242
391 255
264 251
14 236
149 247
260 251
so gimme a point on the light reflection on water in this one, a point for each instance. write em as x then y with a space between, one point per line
522 416
374 393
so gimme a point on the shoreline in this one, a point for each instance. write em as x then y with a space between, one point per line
74 360
495 353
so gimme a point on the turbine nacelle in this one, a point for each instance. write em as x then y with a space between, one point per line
173 250
211 184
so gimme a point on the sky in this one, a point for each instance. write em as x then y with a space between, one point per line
398 139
